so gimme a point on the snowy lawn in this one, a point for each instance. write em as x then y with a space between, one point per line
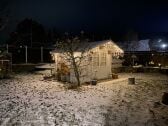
27 100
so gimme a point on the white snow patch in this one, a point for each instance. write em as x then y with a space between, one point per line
27 100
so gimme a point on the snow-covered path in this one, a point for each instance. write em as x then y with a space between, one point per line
27 100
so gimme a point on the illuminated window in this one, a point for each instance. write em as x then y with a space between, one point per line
103 59
95 59
109 46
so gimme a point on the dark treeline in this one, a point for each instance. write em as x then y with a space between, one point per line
33 34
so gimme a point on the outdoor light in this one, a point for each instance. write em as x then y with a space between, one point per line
163 46
151 62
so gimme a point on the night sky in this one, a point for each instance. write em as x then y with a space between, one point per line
93 15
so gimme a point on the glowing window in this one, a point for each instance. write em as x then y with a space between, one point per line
103 59
95 59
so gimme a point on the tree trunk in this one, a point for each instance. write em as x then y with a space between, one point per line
78 79
76 72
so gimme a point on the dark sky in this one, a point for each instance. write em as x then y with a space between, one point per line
94 15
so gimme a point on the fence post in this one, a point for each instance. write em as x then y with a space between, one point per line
26 53
7 48
42 54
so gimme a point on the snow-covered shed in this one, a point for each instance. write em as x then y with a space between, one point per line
99 61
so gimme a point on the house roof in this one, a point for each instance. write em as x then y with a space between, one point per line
5 55
89 45
96 43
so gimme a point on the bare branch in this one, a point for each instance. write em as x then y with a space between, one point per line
75 54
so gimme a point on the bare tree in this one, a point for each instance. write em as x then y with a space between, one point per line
74 53
4 13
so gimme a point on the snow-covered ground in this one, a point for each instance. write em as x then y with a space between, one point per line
27 100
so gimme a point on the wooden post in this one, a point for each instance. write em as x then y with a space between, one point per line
131 80
55 65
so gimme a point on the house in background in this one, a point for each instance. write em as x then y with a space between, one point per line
136 52
141 45
99 61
